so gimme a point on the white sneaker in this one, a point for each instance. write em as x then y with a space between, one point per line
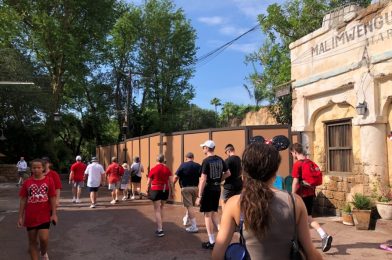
192 229
186 221
124 198
73 200
113 202
92 206
45 257
77 201
133 197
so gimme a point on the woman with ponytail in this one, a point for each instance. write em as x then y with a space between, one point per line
267 212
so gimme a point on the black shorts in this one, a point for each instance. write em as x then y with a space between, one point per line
42 226
136 179
156 195
93 189
210 200
227 194
309 204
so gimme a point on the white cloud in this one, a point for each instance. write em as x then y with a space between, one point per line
245 47
232 30
252 8
213 20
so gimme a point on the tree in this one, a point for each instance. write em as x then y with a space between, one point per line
165 61
284 24
216 103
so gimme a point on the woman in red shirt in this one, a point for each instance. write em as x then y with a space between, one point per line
159 189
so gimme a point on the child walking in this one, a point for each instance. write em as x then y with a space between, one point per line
37 208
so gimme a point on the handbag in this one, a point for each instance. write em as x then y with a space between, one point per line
237 251
296 250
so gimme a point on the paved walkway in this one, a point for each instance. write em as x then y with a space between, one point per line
126 231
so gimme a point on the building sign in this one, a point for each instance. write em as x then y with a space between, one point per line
376 30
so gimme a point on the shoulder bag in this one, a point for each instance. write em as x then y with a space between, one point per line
296 251
237 251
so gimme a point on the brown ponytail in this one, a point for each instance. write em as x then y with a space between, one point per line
260 163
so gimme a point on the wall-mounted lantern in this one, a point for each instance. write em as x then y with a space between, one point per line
56 116
361 108
2 137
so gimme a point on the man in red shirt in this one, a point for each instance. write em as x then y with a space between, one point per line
307 193
114 173
54 176
76 177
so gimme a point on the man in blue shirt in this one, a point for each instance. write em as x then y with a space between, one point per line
188 175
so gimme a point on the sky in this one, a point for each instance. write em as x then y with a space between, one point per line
218 22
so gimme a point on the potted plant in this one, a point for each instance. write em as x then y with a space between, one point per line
384 202
347 216
361 211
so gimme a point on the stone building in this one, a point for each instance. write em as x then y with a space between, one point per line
342 101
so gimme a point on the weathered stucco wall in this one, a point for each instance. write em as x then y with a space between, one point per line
335 68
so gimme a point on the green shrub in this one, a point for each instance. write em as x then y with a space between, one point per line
347 208
361 201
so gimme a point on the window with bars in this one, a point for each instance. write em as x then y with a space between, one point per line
339 146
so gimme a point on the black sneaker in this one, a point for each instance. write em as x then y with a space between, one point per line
326 242
207 245
159 233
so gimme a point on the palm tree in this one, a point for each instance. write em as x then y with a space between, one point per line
216 102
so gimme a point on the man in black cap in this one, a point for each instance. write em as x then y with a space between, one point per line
188 175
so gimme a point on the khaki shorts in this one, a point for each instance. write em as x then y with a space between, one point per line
189 195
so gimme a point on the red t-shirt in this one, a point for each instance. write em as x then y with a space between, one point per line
56 179
114 171
37 192
303 191
159 175
78 169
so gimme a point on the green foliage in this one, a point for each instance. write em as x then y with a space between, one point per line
232 114
361 202
347 208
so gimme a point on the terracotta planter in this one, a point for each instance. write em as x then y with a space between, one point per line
361 218
385 210
347 219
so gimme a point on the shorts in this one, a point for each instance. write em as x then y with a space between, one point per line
156 195
124 186
113 186
93 189
309 204
45 225
210 200
78 184
227 194
136 179
189 195
22 174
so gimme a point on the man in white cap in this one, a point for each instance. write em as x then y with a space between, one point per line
213 171
95 178
76 177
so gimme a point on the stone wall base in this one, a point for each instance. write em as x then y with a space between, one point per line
8 173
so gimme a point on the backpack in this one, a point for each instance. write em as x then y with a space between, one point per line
311 174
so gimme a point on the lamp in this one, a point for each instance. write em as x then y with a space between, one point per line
2 137
361 108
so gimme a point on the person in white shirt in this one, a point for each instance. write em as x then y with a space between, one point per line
22 170
95 178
